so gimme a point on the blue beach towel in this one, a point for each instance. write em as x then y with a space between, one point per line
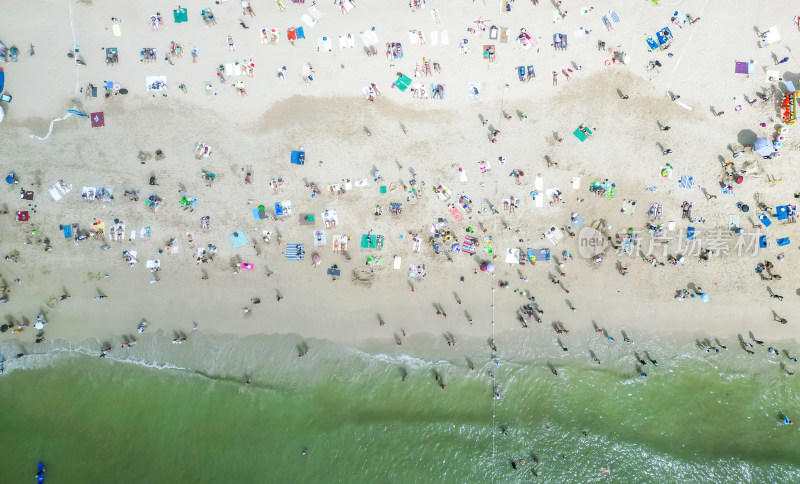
300 33
782 212
784 241
651 42
298 157
67 231
686 181
690 233
764 218
762 242
295 252
238 239
614 17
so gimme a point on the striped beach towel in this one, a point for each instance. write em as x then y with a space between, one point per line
686 181
614 16
295 252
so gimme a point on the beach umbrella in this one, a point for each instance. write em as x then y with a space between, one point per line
39 325
704 297
484 266
490 267
739 180
763 147
10 179
3 328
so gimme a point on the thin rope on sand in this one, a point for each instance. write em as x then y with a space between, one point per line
50 131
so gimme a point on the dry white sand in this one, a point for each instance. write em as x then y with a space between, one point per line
328 119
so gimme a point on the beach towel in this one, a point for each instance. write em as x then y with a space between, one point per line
88 193
539 255
306 219
690 233
180 15
764 218
434 37
444 39
664 36
455 213
397 261
538 192
342 42
726 189
295 252
493 32
155 83
308 20
783 241
581 135
762 242
652 44
228 70
67 229
283 208
503 35
116 29
554 235
54 193
417 271
369 241
576 183
402 83
782 212
521 73
298 158
474 90
334 272
512 256
614 16
98 119
413 37
744 67
686 182
324 44
578 221
629 207
153 264
238 239
319 238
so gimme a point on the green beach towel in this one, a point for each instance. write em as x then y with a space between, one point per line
371 241
180 15
402 83
581 135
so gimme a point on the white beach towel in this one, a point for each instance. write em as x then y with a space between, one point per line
576 182
351 41
324 44
474 90
115 29
463 174
153 264
412 37
308 21
444 39
539 183
397 261
133 235
150 80
63 187
342 42
54 193
229 70
434 37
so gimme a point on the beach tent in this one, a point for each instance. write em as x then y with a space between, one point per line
763 146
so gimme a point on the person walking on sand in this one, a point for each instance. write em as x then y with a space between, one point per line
782 61
666 152
666 128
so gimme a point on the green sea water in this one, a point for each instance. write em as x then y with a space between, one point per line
695 418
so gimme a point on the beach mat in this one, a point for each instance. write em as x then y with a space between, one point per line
238 239
306 219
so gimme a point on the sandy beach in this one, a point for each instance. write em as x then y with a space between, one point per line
328 118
